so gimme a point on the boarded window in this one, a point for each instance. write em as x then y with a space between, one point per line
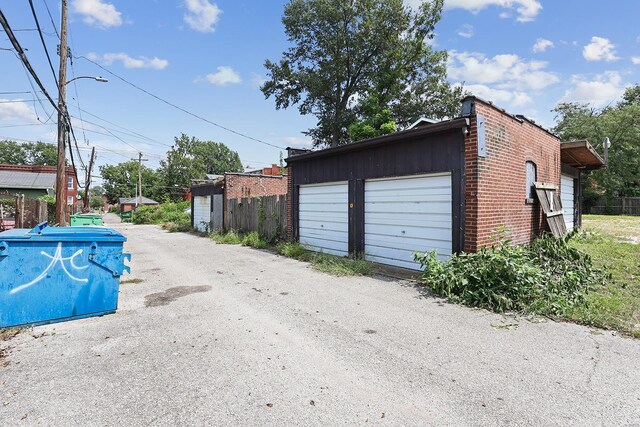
531 179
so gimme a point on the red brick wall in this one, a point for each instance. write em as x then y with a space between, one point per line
496 184
238 186
73 192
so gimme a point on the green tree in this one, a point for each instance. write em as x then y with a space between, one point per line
32 153
375 121
121 180
12 153
190 158
345 51
620 124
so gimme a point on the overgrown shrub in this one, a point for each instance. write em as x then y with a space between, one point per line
175 227
546 277
254 240
163 213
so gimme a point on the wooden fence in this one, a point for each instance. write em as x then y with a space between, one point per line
616 206
30 212
267 215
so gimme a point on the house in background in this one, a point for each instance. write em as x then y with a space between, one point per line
210 197
36 180
447 186
126 204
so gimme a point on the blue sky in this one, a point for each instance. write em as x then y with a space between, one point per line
207 57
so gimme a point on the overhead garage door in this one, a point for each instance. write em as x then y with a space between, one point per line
566 197
323 216
202 213
405 215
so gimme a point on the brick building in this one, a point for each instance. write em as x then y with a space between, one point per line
36 180
448 186
209 197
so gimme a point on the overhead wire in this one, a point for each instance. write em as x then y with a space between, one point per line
180 108
44 45
53 24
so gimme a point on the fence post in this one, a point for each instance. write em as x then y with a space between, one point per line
41 211
20 211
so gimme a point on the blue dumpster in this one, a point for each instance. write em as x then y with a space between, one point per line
54 274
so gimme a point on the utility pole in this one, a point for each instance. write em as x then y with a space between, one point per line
140 160
88 180
61 181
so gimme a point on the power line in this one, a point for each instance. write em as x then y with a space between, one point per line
44 45
51 18
23 57
180 108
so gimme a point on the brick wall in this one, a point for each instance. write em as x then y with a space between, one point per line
496 184
238 186
70 192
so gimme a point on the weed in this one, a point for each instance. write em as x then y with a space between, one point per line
254 240
293 250
230 238
341 266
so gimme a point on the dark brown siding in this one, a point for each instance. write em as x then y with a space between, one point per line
410 155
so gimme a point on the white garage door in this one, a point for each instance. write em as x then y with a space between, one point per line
323 215
406 215
566 197
202 213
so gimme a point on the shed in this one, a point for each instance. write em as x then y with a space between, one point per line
126 204
210 196
447 186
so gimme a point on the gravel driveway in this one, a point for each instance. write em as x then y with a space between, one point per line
227 335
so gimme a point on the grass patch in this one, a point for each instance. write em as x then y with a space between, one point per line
177 227
254 240
230 238
331 264
341 266
616 303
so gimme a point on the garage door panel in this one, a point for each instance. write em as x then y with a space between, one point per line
443 207
401 232
323 218
202 212
403 183
406 215
567 199
409 218
325 246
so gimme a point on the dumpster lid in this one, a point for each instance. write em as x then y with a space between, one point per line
43 232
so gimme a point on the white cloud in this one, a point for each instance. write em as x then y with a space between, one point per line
202 15
17 109
527 9
130 62
635 60
600 49
505 71
466 31
298 141
599 91
541 45
224 76
514 98
97 13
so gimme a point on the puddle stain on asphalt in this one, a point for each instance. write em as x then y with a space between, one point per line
172 294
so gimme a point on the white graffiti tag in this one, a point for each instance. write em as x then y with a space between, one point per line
55 259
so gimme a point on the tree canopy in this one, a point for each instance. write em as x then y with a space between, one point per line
190 158
619 123
32 153
121 180
344 53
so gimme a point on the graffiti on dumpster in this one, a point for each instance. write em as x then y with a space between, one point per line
57 258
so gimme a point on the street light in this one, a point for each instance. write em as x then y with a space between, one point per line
61 181
98 79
